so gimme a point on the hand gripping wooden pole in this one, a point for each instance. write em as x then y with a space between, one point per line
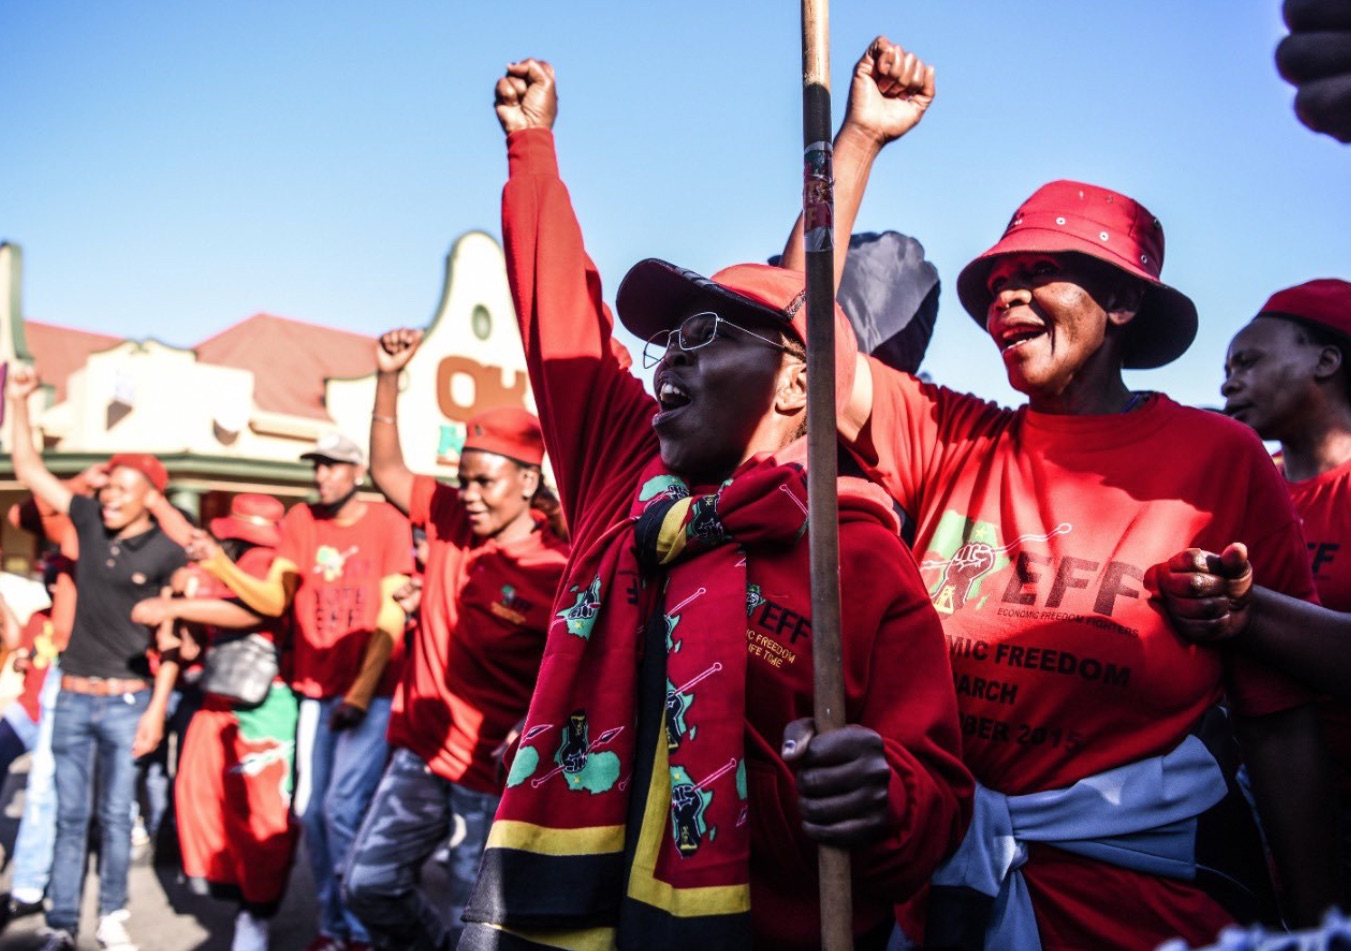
818 220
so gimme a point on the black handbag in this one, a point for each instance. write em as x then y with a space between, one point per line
240 668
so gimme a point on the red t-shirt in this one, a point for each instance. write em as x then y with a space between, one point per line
486 609
1322 503
38 637
1034 534
597 423
341 566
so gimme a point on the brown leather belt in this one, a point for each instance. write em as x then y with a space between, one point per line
102 686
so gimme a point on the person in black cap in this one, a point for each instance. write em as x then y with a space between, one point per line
667 791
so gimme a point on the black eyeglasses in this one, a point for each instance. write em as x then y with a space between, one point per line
695 331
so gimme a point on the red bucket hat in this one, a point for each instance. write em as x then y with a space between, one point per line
656 295
509 432
1106 225
144 463
253 518
1326 302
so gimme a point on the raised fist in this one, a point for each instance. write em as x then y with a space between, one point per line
526 97
1316 58
23 382
889 94
396 348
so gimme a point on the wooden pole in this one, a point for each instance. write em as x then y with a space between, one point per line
818 221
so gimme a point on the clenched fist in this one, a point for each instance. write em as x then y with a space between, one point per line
526 97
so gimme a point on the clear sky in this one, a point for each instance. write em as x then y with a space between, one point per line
171 168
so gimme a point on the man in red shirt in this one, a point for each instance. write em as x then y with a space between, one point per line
493 565
667 791
338 563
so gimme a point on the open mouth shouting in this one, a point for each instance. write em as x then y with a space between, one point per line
672 397
1013 336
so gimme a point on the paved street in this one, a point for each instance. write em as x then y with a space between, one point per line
165 915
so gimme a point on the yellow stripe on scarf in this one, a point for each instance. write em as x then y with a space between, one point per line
584 939
644 886
543 840
671 538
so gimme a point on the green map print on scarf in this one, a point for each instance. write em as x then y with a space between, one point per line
689 802
672 618
668 485
581 617
967 552
678 703
585 769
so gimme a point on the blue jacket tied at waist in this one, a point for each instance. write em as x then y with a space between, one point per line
1141 816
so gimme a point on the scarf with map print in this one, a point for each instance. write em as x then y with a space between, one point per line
624 821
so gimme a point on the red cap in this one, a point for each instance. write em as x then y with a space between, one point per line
656 295
1326 302
509 432
253 518
1106 225
144 463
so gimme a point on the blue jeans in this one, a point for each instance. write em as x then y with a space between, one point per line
412 813
337 775
91 742
37 829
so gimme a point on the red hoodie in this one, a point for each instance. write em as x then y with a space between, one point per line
597 425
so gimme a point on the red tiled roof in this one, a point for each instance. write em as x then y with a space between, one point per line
290 360
60 351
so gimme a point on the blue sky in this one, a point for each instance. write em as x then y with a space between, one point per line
171 168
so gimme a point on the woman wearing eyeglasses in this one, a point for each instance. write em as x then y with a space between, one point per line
667 791
1106 815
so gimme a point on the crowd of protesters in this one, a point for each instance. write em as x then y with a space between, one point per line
1091 702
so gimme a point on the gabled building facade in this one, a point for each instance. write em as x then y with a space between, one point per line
234 412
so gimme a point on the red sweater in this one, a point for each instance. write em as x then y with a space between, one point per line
475 656
597 425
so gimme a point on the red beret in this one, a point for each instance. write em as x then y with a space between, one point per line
513 433
1326 302
144 463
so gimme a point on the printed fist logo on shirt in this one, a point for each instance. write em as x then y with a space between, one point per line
329 562
965 552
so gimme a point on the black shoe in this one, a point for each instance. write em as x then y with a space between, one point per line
9 910
22 909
